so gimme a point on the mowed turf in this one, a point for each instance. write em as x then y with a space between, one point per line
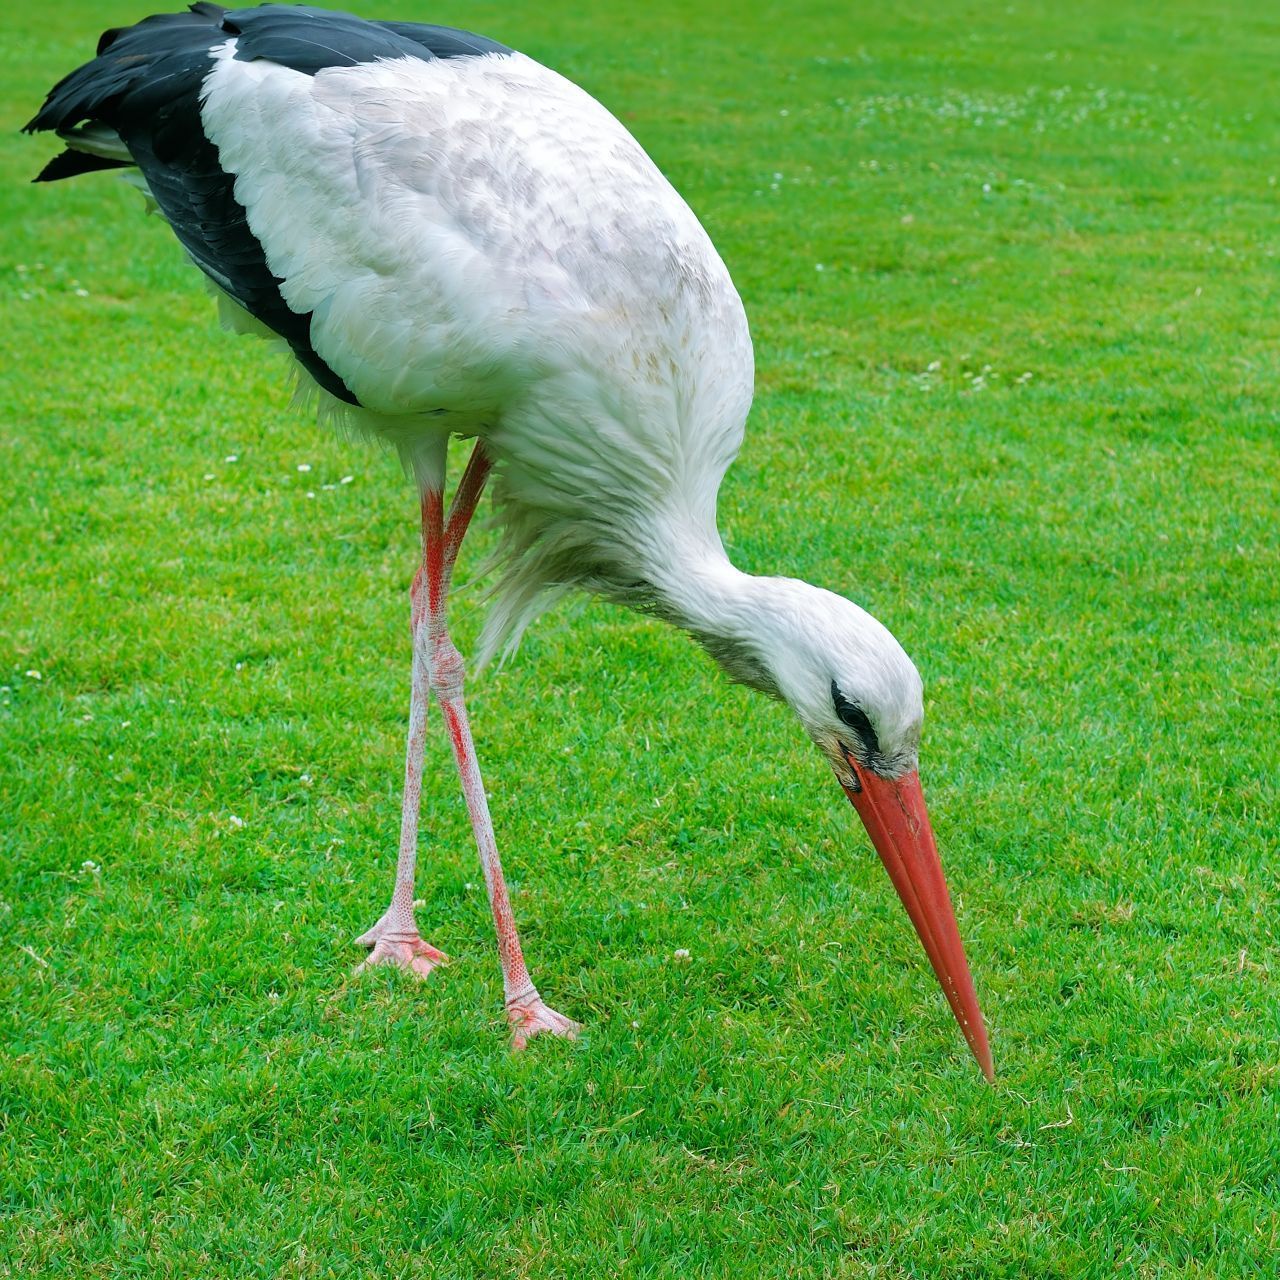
1012 277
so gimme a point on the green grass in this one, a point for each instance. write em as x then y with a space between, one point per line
1026 412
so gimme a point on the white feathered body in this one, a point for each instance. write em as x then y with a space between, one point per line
450 238
485 250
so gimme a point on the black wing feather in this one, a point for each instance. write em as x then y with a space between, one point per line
145 84
308 39
71 164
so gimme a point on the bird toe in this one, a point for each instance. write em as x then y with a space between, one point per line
538 1018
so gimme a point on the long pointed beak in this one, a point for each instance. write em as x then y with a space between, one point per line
894 813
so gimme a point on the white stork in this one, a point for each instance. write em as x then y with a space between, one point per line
450 239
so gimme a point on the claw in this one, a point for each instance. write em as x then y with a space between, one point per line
417 956
532 1017
403 947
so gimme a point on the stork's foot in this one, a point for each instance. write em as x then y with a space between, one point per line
402 946
530 1016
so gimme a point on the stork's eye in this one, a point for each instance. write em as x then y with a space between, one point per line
856 719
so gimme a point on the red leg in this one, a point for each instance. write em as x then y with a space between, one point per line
395 938
463 506
526 1011
439 669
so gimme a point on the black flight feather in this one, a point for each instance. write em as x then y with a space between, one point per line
145 85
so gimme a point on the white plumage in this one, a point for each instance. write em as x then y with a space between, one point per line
484 248
451 238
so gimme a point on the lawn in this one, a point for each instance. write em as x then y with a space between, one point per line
1012 276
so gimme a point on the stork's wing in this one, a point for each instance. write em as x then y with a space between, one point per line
139 102
438 225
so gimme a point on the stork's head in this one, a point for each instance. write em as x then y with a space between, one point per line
848 680
861 700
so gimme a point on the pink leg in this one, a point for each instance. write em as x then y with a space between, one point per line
526 1010
438 668
395 938
527 1013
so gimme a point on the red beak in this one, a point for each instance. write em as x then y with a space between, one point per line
897 821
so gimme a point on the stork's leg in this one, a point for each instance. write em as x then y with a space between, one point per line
527 1013
395 938
438 668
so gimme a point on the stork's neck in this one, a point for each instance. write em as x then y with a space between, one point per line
727 611
790 639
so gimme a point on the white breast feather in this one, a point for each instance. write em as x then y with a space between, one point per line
479 236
